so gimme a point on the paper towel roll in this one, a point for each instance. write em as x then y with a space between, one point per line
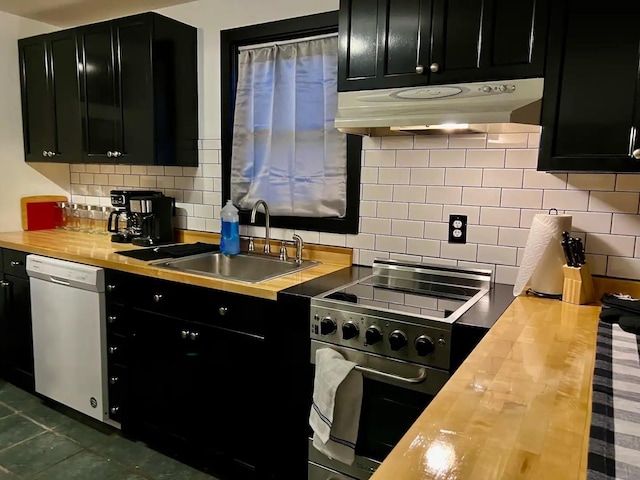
543 255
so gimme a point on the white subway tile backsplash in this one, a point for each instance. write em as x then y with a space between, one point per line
637 252
486 158
193 196
425 212
376 225
205 184
506 274
409 193
165 182
155 170
393 210
597 264
447 158
481 196
397 143
459 251
502 178
604 244
86 178
590 221
412 158
501 217
212 225
614 202
444 195
368 256
93 169
394 176
205 211
436 230
336 239
196 223
107 169
430 142
77 168
177 194
213 170
390 244
123 169
380 158
507 140
369 175
184 209
513 237
522 198
377 192
535 179
472 213
624 267
497 254
517 158
148 182
371 143
588 181
463 177
482 234
138 170
211 198
628 183
184 183
363 240
212 144
478 140
419 246
624 224
407 228
565 200
427 176
116 180
74 177
534 141
527 216
131 181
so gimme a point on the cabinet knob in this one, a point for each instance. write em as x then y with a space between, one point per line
15 263
113 350
636 154
4 284
223 311
112 319
434 67
157 297
51 154
193 335
117 154
419 69
115 410
44 153
184 333
111 288
109 154
113 380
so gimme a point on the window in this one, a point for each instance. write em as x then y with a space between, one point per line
279 94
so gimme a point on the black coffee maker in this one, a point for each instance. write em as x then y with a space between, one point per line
123 224
154 217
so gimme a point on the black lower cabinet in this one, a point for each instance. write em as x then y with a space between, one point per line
16 337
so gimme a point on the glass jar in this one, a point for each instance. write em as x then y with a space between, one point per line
93 218
104 221
61 210
80 213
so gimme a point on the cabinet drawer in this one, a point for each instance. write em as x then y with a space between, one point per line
15 263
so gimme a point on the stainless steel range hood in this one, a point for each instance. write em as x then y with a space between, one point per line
469 107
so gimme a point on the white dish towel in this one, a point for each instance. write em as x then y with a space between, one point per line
337 400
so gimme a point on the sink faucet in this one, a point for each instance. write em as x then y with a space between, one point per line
297 239
267 248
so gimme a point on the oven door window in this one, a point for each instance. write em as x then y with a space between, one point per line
387 413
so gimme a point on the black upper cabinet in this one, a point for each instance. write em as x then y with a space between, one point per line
404 43
139 91
591 107
50 104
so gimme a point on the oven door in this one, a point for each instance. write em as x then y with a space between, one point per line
395 393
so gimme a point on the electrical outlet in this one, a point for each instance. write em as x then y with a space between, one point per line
457 229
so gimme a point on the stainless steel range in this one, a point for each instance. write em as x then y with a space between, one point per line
397 325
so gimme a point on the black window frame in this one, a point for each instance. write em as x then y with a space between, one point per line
289 29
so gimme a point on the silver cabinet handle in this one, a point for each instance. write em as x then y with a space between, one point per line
44 153
184 333
636 154
157 297
396 378
419 69
193 335
113 380
111 288
112 318
223 311
51 154
4 284
15 263
113 350
115 410
434 67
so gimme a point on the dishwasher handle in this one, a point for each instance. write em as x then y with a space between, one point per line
59 282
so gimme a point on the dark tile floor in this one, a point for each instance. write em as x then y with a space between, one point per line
39 442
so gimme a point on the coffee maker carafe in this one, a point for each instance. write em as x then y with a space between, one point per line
124 225
154 217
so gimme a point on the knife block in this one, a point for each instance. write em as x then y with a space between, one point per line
578 285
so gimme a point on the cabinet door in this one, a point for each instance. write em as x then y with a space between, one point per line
17 327
383 44
591 108
37 113
99 94
65 95
135 75
476 40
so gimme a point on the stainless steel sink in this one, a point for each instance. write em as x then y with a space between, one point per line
249 268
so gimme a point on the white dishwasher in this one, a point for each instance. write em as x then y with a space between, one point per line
69 334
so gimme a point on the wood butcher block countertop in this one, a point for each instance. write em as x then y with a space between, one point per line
98 250
519 407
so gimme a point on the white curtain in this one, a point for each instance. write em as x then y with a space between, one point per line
286 149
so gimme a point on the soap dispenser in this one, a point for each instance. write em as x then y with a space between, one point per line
230 235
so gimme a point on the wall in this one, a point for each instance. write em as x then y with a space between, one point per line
19 179
409 185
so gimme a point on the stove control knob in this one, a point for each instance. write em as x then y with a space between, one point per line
372 335
327 326
397 340
350 330
424 345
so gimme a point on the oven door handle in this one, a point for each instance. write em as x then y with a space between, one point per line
396 378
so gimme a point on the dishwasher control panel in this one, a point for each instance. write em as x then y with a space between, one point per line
62 272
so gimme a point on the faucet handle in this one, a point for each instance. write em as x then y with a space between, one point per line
251 247
283 251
